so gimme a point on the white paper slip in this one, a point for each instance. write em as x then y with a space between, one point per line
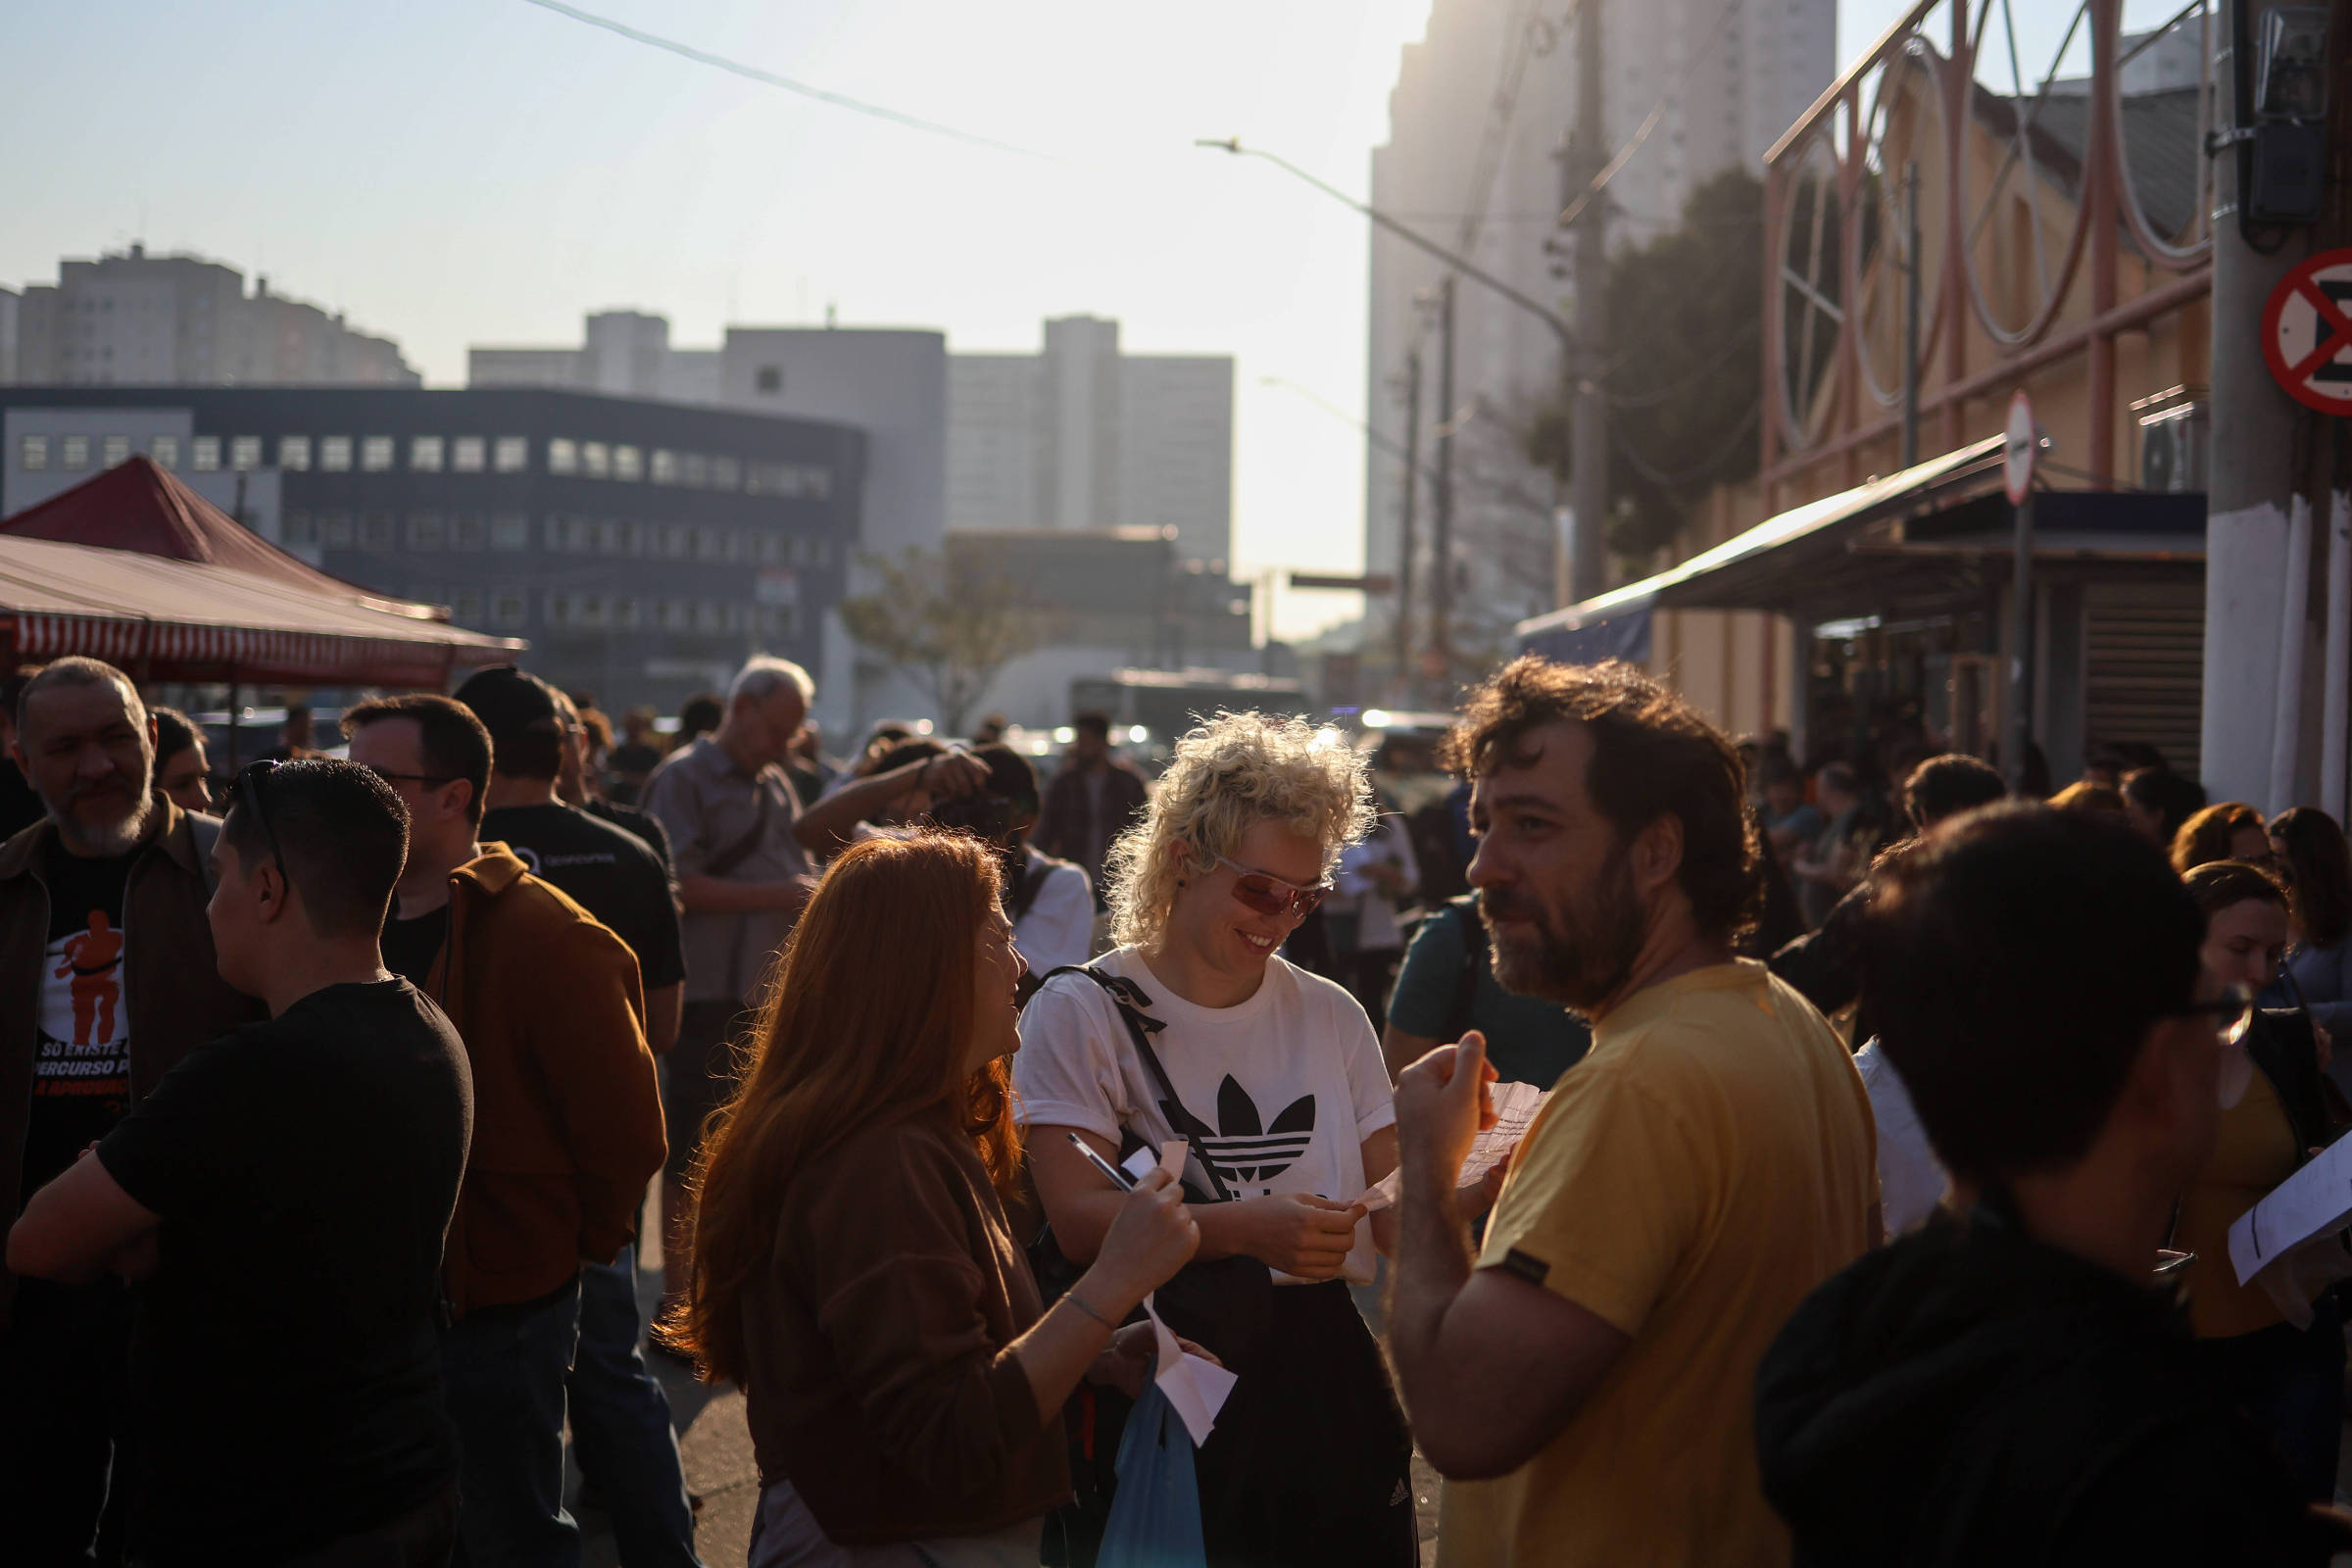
1516 1106
1197 1388
1168 1157
2314 1200
1141 1163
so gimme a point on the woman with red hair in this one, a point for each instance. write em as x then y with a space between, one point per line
852 1267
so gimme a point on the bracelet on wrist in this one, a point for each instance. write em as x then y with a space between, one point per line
1079 1301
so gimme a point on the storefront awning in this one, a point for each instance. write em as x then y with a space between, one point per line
1778 564
1886 548
165 619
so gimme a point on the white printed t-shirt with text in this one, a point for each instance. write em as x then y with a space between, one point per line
1283 1088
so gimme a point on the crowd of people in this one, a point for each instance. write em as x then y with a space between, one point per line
1875 1210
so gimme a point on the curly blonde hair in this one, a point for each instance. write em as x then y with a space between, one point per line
1228 775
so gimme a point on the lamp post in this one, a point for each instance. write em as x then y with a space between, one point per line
1589 456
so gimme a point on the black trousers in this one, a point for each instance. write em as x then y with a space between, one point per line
1310 1462
64 1365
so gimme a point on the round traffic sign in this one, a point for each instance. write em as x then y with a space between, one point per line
2018 451
2307 332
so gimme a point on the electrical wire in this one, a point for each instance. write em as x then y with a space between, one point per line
769 79
1682 384
1649 122
1696 471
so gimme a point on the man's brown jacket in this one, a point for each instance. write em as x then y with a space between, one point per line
567 1110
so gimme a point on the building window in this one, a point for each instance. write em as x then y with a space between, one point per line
466 454
375 454
673 540
427 531
509 607
771 549
770 378
375 530
294 453
555 610
628 539
424 454
675 615
595 460
164 450
334 454
695 470
781 620
817 483
467 611
74 452
562 455
32 452
555 534
628 463
622 616
512 453
334 530
510 530
466 531
726 473
820 553
708 616
709 544
245 453
666 467
301 529
112 450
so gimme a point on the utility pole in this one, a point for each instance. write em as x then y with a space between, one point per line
1588 414
2259 444
1441 585
1407 544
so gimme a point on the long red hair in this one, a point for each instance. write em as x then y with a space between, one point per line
867 1019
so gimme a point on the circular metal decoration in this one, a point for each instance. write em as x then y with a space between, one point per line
2023 192
1812 283
1907 131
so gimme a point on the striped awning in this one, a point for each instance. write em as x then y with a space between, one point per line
165 619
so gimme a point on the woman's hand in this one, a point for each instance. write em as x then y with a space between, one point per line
1151 1237
1300 1234
1131 1357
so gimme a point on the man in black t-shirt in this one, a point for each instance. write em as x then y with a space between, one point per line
285 1194
623 1432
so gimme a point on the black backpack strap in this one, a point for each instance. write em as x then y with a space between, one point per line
1129 998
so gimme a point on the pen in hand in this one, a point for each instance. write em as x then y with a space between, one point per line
1119 1178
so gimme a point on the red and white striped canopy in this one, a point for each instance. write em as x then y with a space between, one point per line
165 619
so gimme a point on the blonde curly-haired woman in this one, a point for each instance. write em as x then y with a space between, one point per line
1275 1078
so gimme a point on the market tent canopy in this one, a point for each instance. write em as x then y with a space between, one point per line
177 619
140 506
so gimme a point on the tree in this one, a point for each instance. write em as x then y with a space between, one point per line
1685 347
948 619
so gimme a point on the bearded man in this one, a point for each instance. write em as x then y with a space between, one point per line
106 978
1585 1381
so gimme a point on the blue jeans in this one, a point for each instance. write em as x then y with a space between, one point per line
506 1367
620 1424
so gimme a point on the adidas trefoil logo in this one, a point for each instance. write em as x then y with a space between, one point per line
1244 1149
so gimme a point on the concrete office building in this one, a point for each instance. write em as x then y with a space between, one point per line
1104 599
135 320
1477 116
644 548
1082 436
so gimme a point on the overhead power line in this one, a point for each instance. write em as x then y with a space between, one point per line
1649 122
752 73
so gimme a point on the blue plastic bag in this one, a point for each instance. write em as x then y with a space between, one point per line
1155 1513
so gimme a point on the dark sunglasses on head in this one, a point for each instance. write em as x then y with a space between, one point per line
249 795
1271 895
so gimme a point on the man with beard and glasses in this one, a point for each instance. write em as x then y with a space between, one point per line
106 979
1585 1380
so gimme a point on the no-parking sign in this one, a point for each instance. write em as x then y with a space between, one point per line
2307 332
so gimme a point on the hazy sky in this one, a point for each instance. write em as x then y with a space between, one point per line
485 172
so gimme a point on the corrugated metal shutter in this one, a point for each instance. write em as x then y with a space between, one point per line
2143 652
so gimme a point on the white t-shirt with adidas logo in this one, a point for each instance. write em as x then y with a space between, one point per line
1283 1088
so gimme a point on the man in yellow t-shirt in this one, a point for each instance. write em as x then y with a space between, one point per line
1587 1384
